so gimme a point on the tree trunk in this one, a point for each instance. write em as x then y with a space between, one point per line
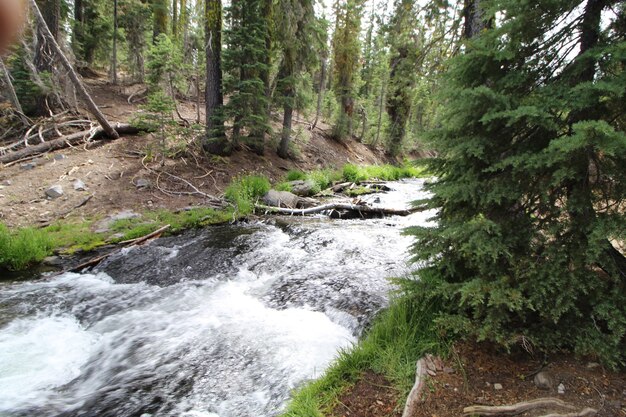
474 18
44 55
114 60
283 149
80 88
320 94
12 96
381 105
214 96
159 10
174 19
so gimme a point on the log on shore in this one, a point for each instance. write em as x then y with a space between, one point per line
66 141
515 409
357 208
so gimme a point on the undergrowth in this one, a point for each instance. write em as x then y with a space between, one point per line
244 191
399 336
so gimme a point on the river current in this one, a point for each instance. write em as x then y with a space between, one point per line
221 322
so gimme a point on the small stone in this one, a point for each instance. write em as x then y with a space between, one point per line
52 261
448 370
55 191
497 386
59 157
28 166
142 183
6 183
79 185
592 365
561 389
543 380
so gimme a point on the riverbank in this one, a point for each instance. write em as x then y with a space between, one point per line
22 247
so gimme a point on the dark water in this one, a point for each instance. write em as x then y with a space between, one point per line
220 322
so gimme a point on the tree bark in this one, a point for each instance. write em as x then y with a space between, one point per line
174 18
114 60
320 95
12 96
214 99
80 88
474 19
283 148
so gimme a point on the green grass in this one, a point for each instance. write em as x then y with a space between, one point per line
24 247
295 176
244 191
399 336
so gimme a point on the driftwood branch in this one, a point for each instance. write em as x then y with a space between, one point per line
587 412
65 141
414 398
78 84
149 236
519 408
338 206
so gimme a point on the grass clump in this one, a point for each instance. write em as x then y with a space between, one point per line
23 247
354 173
400 335
244 191
296 176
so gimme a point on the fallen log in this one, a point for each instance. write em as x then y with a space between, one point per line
338 206
66 141
587 412
519 408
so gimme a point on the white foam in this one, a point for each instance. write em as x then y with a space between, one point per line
39 354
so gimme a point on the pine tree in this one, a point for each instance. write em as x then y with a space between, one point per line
246 62
405 56
531 181
346 54
295 20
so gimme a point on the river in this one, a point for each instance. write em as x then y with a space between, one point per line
220 322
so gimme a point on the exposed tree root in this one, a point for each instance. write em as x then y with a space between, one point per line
519 408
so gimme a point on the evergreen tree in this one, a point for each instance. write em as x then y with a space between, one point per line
295 20
246 62
346 54
405 54
160 14
531 181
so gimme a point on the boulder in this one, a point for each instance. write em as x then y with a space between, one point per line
281 199
142 183
55 191
543 380
303 188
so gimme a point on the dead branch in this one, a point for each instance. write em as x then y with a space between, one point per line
414 398
338 206
66 141
142 239
78 85
82 203
519 408
587 412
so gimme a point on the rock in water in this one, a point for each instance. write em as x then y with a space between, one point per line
55 191
543 380
303 188
281 199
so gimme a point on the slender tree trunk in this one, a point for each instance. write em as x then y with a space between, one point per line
214 96
381 106
474 18
12 96
114 60
283 148
80 88
320 94
174 18
159 11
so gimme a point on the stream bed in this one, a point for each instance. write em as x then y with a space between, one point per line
220 322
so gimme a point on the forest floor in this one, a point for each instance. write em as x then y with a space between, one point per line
471 377
116 174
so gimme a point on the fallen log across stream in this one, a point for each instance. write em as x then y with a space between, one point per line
66 141
356 208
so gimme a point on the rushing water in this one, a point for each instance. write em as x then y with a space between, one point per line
220 322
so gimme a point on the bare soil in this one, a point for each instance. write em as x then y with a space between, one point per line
471 378
110 169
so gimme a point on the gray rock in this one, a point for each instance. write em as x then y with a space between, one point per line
303 188
6 183
592 365
104 226
544 380
561 389
142 183
497 386
28 166
59 157
281 199
55 191
52 261
79 185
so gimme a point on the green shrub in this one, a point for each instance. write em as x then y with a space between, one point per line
352 173
283 186
295 176
244 191
24 247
